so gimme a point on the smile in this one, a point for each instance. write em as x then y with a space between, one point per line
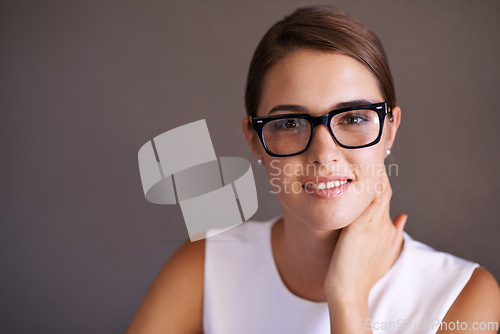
324 185
327 187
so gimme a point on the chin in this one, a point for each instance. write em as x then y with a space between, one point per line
325 219
326 214
335 221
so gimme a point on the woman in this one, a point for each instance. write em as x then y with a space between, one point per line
322 119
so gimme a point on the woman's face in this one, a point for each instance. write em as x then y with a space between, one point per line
319 82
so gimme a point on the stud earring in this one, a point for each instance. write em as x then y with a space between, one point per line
387 152
260 162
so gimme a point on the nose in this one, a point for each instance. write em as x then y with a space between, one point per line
323 148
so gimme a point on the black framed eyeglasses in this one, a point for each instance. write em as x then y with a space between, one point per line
352 127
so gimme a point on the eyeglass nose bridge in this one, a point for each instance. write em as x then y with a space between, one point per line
320 120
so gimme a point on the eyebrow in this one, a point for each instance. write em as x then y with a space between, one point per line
299 108
288 107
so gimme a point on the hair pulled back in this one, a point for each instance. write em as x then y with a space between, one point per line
322 28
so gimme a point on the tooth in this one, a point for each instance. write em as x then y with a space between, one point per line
321 185
314 186
337 183
330 185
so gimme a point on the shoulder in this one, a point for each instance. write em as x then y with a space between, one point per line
478 303
438 267
174 303
431 279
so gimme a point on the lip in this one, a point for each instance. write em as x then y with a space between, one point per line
327 193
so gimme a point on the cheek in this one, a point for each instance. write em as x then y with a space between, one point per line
369 169
284 176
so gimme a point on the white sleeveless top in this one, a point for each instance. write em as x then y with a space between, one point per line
244 293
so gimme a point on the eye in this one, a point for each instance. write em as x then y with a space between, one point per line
289 123
353 119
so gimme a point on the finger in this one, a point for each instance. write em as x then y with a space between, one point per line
378 206
386 185
371 212
385 196
384 190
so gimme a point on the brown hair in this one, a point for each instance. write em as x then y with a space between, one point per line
323 28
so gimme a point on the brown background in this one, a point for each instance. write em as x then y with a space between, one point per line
83 84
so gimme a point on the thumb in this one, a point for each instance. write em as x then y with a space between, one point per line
400 222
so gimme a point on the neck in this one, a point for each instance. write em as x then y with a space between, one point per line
302 255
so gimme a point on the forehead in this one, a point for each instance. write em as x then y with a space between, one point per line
317 80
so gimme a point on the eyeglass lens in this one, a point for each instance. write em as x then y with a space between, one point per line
292 134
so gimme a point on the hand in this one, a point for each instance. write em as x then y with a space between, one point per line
365 251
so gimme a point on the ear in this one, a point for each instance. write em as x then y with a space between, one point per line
252 139
393 125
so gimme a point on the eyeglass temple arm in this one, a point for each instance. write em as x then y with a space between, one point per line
250 122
